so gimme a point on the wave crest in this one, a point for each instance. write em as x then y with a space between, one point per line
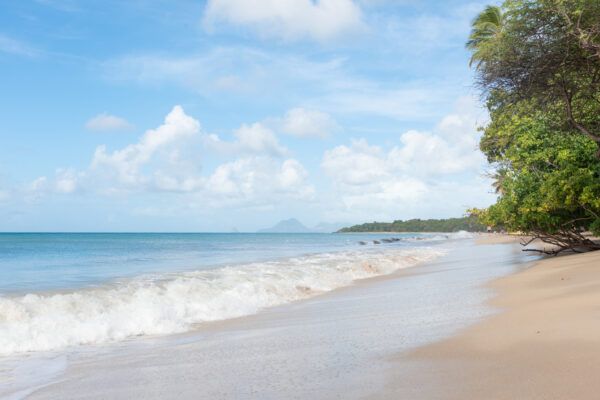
172 303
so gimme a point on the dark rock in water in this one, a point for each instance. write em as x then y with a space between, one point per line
396 239
376 242
362 243
387 240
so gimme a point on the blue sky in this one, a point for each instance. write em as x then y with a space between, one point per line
213 115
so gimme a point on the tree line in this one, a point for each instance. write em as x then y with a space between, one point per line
537 66
469 223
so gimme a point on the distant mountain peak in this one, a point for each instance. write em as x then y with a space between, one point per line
291 225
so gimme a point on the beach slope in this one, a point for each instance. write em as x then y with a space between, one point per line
544 345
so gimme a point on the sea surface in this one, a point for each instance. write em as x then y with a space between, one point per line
102 302
60 290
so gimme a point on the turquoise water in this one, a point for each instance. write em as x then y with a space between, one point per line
38 262
177 283
63 290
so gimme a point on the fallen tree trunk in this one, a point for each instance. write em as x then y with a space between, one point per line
562 240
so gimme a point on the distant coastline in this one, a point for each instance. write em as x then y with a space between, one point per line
448 225
388 232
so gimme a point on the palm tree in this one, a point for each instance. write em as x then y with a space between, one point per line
487 26
499 177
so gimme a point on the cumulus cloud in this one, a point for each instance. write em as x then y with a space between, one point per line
159 146
363 174
66 180
320 20
167 159
250 139
420 168
306 124
106 122
256 179
451 148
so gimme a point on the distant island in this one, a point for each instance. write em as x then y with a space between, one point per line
292 225
469 223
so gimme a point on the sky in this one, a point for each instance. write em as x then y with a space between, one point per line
221 115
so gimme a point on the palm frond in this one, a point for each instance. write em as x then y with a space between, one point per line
485 27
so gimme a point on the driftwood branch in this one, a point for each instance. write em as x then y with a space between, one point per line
564 239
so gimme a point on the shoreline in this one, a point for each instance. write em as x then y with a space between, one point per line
427 233
328 346
543 344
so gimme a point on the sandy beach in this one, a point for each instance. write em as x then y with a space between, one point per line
300 199
336 345
545 344
487 321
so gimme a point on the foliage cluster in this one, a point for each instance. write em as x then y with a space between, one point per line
539 70
469 223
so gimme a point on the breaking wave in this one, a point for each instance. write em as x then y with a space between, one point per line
171 303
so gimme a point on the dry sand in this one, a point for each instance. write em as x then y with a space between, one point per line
544 345
499 238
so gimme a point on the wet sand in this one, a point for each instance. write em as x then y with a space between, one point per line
544 345
334 346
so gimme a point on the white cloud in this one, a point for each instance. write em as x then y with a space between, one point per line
326 85
67 180
404 179
156 163
235 69
255 139
412 101
452 148
426 174
304 123
166 159
363 174
35 190
258 180
37 185
106 122
320 20
413 31
159 146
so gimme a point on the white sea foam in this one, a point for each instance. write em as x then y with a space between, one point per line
169 303
462 235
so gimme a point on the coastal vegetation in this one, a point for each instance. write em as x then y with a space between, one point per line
469 223
537 64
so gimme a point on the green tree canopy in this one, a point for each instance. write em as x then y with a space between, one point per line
549 53
485 28
540 77
552 184
469 223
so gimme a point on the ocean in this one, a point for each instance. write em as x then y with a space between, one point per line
130 315
60 291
